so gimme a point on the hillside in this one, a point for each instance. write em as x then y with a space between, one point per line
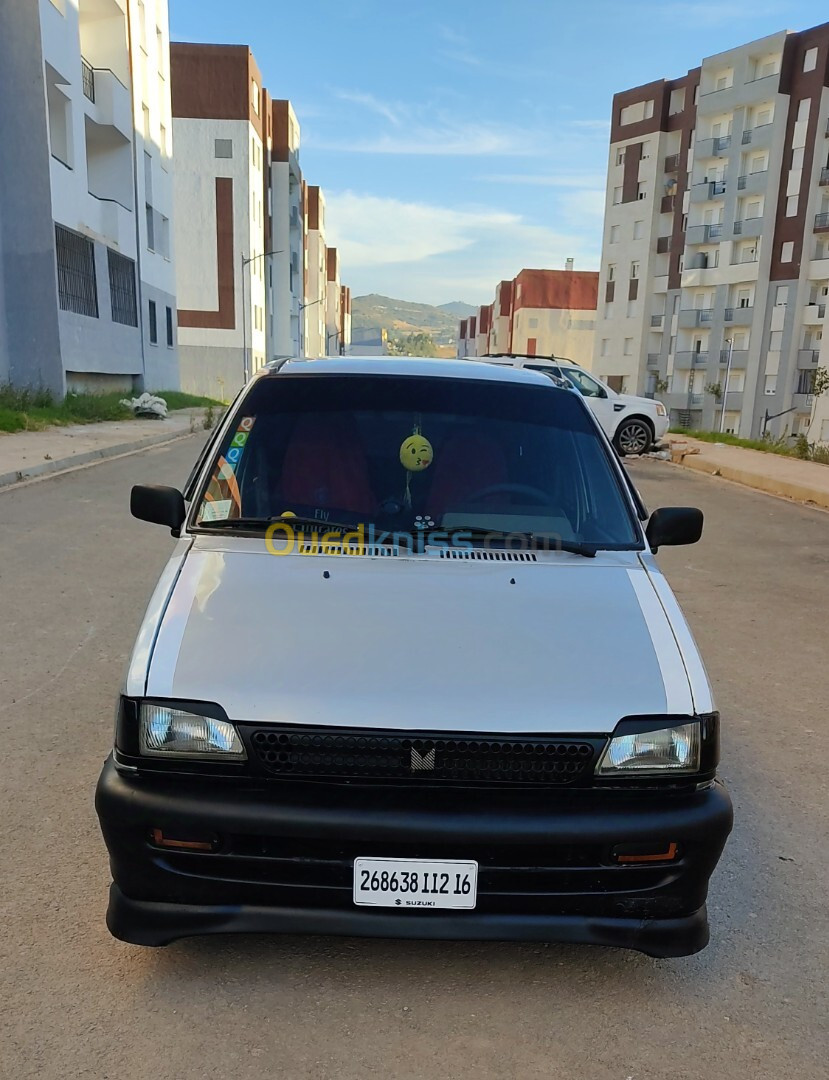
402 317
459 309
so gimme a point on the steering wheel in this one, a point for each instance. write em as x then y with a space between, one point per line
534 493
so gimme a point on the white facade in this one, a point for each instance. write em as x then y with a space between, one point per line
105 164
315 293
217 360
285 323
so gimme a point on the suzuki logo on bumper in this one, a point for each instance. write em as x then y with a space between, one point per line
419 761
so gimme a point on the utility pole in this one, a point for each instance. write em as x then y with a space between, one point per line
725 388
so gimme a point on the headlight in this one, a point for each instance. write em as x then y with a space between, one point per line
660 409
166 732
668 750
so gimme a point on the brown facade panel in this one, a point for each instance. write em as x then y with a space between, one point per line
654 91
281 130
224 317
630 179
561 289
799 84
633 288
209 82
683 122
313 207
332 264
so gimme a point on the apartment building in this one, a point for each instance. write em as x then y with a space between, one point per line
288 214
316 280
538 313
87 282
715 256
345 319
333 304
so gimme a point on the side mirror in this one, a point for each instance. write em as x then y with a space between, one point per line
674 525
160 505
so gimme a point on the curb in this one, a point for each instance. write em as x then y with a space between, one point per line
75 461
785 489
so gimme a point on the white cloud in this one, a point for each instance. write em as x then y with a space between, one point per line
369 101
555 180
441 139
433 253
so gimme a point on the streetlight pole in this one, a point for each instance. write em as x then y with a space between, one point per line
245 264
725 388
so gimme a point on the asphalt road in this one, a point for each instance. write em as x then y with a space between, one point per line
75 574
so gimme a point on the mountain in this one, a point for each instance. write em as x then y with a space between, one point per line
402 317
459 309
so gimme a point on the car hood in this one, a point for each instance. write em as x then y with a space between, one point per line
639 402
563 644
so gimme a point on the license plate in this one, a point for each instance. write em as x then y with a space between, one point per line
415 883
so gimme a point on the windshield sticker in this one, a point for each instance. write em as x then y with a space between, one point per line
222 499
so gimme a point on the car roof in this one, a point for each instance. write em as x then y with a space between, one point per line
405 365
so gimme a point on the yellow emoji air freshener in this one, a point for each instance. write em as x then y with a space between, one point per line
416 453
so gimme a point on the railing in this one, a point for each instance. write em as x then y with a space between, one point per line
713 231
721 142
716 187
705 315
821 308
657 320
729 311
663 245
824 176
745 257
653 359
695 399
748 134
88 79
739 225
821 221
808 356
672 163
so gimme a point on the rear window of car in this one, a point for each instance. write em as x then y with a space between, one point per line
406 452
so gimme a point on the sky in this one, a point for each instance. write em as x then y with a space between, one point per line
459 141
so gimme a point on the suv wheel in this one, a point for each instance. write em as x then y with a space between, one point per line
633 436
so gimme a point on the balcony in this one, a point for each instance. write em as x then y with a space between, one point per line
657 321
824 176
739 358
663 245
667 204
88 79
814 313
704 234
739 316
803 402
713 147
691 317
808 358
745 258
709 189
672 163
110 103
748 226
686 359
757 136
821 223
754 182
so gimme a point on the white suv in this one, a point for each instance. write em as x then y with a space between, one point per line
634 424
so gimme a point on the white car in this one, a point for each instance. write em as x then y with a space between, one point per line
412 671
633 424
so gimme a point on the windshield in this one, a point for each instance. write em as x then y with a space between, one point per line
410 453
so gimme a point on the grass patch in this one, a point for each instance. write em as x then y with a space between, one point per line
35 410
768 446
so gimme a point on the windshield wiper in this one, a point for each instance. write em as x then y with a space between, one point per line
264 522
536 543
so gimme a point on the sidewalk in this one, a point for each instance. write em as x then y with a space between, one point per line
27 454
803 481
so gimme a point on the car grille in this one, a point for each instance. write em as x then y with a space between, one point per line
319 753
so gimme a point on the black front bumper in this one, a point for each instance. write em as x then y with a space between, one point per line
283 860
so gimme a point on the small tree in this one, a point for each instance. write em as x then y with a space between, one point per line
660 386
714 389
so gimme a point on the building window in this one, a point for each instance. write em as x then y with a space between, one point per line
77 287
803 109
628 349
605 345
611 271
791 206
614 234
617 196
122 288
620 157
810 59
150 227
787 252
533 324
638 230
254 96
170 327
641 193
223 148
634 270
153 323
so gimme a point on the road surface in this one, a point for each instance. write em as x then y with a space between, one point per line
75 574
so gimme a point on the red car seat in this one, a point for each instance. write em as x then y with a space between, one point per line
325 467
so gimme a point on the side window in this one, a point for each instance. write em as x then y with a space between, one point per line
584 384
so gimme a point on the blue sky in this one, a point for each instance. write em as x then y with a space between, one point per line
459 141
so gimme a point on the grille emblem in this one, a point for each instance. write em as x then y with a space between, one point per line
419 761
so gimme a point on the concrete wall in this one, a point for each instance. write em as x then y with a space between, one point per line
216 373
29 336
